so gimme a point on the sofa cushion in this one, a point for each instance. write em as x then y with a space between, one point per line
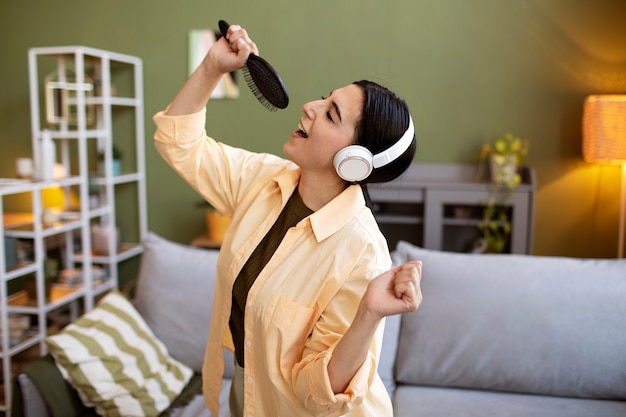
446 402
519 323
388 353
174 294
114 361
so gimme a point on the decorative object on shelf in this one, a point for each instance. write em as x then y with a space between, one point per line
462 212
217 224
100 236
604 142
24 168
45 171
116 161
74 277
10 253
53 198
62 90
504 155
53 203
18 325
49 217
98 83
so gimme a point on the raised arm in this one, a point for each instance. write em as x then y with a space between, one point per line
225 56
393 292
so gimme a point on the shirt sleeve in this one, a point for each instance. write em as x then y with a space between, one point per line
220 173
310 379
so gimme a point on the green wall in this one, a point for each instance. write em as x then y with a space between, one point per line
470 71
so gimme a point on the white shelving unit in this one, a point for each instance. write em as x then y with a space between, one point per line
94 116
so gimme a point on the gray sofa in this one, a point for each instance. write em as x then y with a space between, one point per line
496 335
512 335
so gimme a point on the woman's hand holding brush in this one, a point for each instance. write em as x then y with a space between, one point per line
225 56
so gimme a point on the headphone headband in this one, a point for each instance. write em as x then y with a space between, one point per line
398 148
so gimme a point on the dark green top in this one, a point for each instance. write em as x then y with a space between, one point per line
294 211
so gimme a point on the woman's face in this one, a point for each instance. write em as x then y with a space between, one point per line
328 125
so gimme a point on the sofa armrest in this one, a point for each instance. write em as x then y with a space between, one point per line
42 384
31 402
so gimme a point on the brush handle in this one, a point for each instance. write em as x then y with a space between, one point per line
223 27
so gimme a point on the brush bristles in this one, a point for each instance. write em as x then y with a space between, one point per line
255 90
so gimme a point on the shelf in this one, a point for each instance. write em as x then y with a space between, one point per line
14 186
128 250
114 101
203 241
60 295
20 270
460 222
63 182
88 53
99 211
398 219
118 179
26 342
26 231
78 134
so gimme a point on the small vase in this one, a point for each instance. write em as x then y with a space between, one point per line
503 169
100 236
216 225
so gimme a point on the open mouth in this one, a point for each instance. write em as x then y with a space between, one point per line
301 132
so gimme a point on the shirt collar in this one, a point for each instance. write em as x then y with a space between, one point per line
334 215
338 212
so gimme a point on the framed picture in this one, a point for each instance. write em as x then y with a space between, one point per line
200 41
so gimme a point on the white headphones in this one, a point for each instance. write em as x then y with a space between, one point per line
355 162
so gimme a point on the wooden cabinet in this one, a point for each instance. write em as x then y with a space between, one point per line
87 103
439 206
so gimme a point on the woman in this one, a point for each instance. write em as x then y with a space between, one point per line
302 289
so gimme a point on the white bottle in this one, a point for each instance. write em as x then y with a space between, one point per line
48 156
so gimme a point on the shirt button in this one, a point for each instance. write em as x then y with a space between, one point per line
249 379
248 343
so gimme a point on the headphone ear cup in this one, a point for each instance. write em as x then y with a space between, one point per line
353 163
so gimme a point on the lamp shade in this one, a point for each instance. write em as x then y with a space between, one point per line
604 129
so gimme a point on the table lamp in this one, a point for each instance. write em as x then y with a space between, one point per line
604 141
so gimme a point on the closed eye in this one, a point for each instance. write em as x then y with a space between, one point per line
329 116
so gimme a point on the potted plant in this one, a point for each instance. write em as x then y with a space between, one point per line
495 228
503 157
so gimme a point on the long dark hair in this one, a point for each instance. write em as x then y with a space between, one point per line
384 119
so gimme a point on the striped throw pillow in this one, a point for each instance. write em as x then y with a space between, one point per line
115 362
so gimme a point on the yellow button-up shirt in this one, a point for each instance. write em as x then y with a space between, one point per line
307 295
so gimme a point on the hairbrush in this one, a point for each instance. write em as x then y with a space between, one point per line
263 80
